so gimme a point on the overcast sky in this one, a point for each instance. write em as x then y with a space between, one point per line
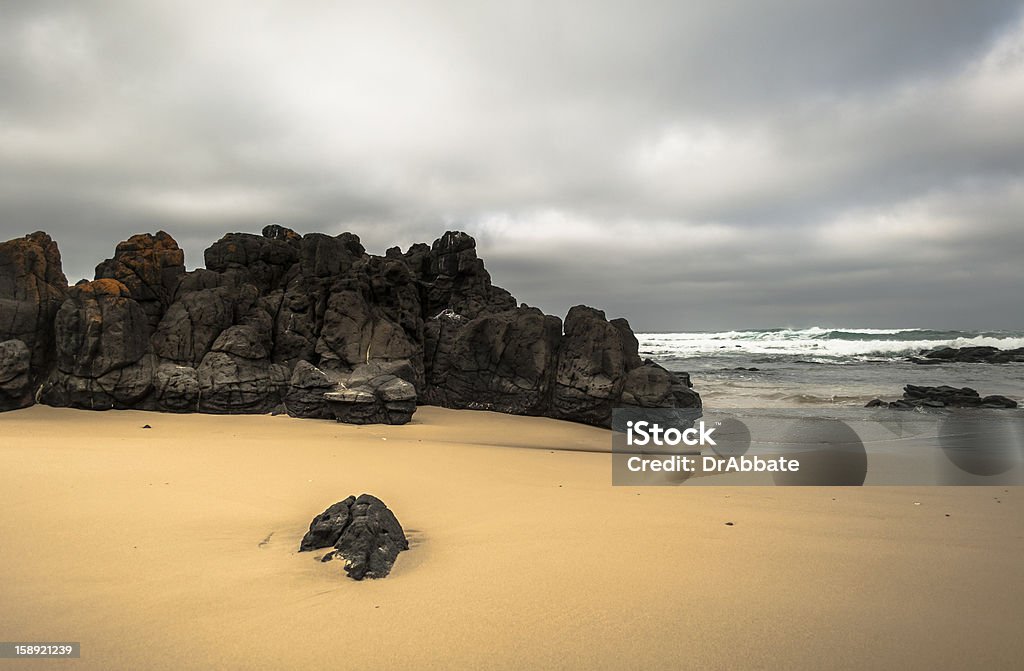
691 166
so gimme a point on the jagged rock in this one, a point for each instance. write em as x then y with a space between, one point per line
325 529
117 389
594 358
278 232
99 328
652 386
233 384
502 362
356 332
373 394
325 256
263 261
363 531
316 322
453 277
15 384
944 396
301 305
32 289
101 350
242 340
518 361
439 335
306 389
981 354
176 388
197 318
150 267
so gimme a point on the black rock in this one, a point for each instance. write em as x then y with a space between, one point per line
99 328
311 325
944 396
176 388
15 385
997 401
363 531
980 354
306 389
229 383
325 529
372 394
32 289
101 350
261 261
502 362
150 267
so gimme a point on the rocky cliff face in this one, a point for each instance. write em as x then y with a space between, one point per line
310 324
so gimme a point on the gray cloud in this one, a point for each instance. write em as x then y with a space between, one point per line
688 165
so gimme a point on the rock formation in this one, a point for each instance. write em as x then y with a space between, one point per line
942 397
981 354
32 288
15 386
310 324
363 532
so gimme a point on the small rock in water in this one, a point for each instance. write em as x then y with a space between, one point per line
944 396
147 426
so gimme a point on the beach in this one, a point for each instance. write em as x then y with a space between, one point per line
175 547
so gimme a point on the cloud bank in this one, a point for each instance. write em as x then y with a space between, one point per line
689 165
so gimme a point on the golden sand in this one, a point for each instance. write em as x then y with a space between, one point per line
175 548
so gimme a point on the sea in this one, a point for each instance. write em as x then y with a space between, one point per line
818 366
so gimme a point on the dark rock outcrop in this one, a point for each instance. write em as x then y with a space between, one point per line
599 368
315 323
99 328
237 375
453 277
101 343
942 397
150 267
372 394
306 389
363 532
32 289
981 354
502 362
261 261
175 388
15 385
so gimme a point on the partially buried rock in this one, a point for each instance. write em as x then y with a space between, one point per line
363 531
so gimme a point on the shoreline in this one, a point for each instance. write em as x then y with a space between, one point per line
175 547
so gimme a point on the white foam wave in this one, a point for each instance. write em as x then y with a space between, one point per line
789 343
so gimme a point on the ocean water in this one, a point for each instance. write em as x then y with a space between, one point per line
826 366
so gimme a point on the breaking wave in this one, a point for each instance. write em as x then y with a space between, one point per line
819 343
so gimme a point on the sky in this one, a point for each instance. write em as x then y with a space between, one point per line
690 166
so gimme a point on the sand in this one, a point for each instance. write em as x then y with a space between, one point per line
175 548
